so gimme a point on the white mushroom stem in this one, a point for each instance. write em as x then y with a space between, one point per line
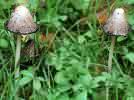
111 54
17 55
110 63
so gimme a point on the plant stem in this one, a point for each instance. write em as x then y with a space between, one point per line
110 64
17 55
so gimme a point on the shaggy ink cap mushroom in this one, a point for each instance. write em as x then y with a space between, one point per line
117 23
21 21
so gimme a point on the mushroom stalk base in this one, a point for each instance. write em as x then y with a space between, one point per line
17 55
110 63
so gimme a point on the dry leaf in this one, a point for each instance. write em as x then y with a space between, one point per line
102 16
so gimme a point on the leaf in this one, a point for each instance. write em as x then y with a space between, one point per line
81 4
85 80
21 1
130 19
88 34
40 79
120 39
81 39
129 1
24 81
4 43
130 57
27 73
36 84
100 95
102 16
63 97
100 79
34 4
60 78
82 96
64 88
1 74
63 18
130 98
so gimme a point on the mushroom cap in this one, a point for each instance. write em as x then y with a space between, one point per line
21 21
117 23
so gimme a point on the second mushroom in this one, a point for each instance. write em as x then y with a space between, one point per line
116 25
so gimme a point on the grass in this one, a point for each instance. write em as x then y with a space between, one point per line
68 60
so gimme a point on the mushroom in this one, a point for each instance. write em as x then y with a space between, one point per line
116 25
21 23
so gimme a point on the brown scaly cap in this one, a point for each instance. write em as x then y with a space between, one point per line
117 23
21 21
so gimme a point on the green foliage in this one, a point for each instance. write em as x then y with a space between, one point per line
129 1
130 57
72 63
4 43
81 4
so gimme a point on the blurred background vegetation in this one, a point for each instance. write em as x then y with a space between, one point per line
67 58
